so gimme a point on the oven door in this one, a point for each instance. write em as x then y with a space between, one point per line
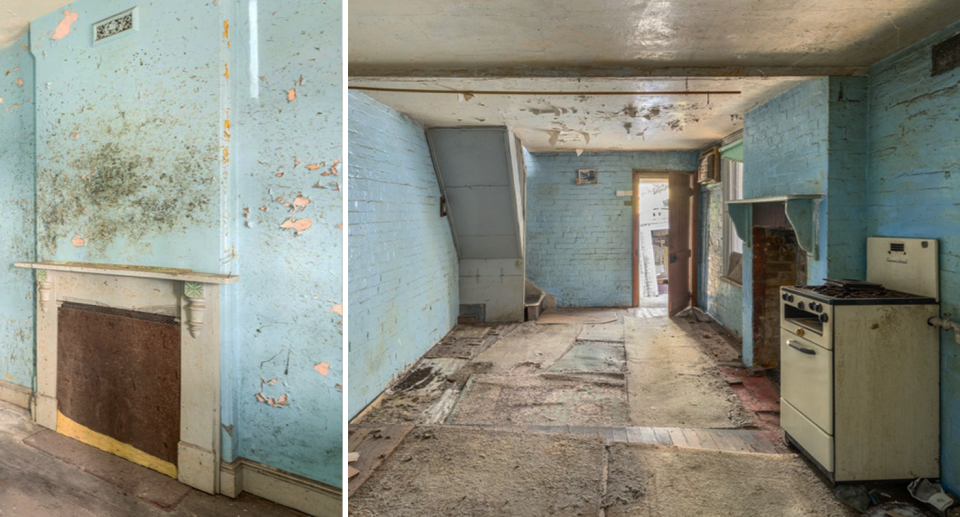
806 378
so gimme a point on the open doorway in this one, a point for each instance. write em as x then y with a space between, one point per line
664 240
653 230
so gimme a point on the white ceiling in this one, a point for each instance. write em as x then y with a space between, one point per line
726 34
593 123
16 15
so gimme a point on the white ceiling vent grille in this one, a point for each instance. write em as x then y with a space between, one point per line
110 28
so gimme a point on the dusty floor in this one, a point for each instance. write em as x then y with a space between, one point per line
604 367
446 471
585 413
673 382
652 480
35 484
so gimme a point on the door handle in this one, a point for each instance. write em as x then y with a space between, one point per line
673 258
801 349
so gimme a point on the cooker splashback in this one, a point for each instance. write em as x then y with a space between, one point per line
908 265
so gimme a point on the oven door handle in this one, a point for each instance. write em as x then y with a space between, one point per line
802 349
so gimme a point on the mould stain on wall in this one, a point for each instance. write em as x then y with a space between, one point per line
120 191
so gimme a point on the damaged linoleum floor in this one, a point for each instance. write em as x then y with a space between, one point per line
629 371
35 484
451 471
573 416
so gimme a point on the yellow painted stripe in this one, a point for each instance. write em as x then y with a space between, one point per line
68 427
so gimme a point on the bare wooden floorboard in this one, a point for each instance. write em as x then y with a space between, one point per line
706 439
663 437
677 436
728 441
634 435
374 447
690 435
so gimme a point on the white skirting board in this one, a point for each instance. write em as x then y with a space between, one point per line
15 394
308 496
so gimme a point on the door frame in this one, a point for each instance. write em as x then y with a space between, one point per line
663 176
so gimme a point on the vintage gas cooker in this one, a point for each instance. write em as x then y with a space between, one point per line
860 367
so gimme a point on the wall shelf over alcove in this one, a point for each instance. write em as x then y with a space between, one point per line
801 210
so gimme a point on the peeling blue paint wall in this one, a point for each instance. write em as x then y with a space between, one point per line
162 147
579 242
286 156
403 264
913 187
721 298
128 137
18 240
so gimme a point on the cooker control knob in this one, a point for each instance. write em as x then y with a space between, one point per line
823 318
816 307
800 305
784 296
789 297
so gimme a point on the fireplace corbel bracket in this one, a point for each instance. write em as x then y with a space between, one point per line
196 306
802 211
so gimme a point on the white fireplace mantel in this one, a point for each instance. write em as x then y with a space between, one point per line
193 298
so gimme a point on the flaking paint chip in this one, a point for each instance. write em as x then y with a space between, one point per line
298 225
78 241
301 202
63 28
322 368
313 166
261 398
291 94
19 82
337 309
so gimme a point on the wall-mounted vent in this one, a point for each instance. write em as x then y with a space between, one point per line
899 247
946 56
116 25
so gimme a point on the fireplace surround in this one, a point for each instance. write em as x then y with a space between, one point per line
190 298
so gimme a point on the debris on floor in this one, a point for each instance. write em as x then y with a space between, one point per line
656 480
854 496
931 493
448 471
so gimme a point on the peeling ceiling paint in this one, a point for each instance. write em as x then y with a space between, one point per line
639 34
588 122
16 15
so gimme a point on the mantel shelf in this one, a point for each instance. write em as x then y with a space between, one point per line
180 275
801 210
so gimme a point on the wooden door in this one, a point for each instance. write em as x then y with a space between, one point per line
682 216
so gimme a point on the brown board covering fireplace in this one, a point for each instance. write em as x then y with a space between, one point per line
119 377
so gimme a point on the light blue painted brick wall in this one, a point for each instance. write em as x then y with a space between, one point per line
785 143
913 191
811 139
403 265
579 236
18 240
720 298
846 177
